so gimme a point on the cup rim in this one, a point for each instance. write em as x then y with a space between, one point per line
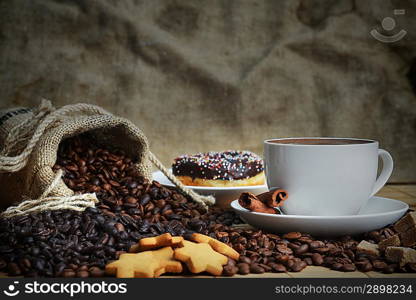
367 142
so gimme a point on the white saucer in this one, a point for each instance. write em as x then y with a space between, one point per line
378 213
223 195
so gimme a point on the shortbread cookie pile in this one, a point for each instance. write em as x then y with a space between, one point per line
165 254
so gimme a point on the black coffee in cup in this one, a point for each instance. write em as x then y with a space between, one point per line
322 141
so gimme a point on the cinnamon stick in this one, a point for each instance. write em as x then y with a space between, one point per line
273 198
252 203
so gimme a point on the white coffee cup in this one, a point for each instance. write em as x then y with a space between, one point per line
325 176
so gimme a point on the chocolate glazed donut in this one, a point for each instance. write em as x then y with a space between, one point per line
219 169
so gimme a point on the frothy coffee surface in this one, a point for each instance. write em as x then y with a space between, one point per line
321 141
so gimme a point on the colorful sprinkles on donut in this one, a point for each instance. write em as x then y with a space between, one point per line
226 165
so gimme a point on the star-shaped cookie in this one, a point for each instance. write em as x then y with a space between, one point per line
155 242
200 257
216 245
146 264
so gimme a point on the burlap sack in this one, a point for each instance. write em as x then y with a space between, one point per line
29 141
11 183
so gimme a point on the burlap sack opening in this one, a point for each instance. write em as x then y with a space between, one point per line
105 129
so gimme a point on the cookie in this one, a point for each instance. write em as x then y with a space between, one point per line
216 245
155 242
200 258
148 264
165 257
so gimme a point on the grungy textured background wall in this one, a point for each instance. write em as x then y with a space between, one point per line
213 75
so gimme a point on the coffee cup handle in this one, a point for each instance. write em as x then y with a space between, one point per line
385 172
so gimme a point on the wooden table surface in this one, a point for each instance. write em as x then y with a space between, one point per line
405 193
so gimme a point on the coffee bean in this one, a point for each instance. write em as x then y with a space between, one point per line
364 266
278 267
265 267
245 259
298 266
145 199
229 270
322 250
302 249
316 244
336 266
350 254
231 262
13 269
292 235
25 263
67 273
283 249
3 264
293 246
317 259
256 269
119 227
35 251
328 260
131 200
83 268
59 268
72 266
107 187
95 181
265 252
379 265
348 268
243 268
375 235
290 263
82 274
96 272
39 264
391 268
282 258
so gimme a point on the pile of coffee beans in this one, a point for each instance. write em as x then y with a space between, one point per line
264 252
79 244
70 243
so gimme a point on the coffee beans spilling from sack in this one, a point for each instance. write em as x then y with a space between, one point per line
119 187
130 208
79 244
